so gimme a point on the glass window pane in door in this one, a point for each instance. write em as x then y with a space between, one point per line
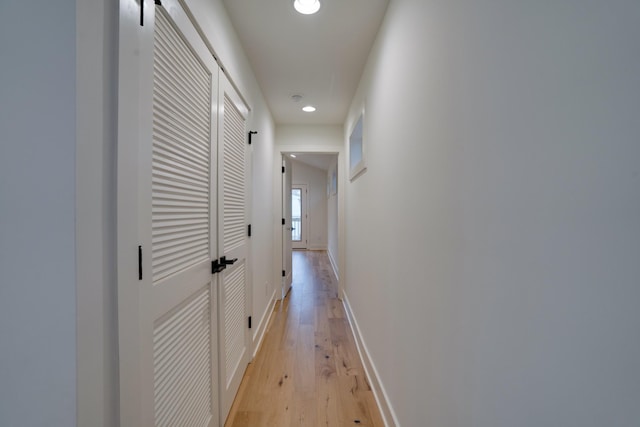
296 214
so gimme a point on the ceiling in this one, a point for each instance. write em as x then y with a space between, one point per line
320 56
317 160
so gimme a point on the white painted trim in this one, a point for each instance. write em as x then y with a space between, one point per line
317 248
262 327
96 321
334 266
382 399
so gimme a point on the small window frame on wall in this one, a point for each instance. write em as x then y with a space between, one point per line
357 160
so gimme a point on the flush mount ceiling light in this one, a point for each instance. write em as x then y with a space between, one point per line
307 7
309 109
293 155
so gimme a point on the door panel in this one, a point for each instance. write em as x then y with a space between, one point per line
181 354
234 344
287 276
232 243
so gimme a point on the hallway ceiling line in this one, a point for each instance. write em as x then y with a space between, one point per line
320 57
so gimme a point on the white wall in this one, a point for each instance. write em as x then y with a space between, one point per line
310 138
316 180
37 214
503 195
95 162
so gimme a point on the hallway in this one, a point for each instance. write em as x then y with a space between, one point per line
307 372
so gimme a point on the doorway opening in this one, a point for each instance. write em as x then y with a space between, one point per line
310 208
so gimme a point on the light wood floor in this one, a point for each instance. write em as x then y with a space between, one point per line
307 371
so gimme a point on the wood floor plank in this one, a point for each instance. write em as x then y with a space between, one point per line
307 372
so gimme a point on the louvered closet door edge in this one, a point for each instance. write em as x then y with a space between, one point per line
240 251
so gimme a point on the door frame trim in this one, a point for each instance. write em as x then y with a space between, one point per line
280 150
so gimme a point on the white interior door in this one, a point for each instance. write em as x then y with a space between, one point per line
299 216
287 276
232 243
168 316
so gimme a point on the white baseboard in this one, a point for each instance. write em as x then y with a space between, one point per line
262 326
386 410
334 266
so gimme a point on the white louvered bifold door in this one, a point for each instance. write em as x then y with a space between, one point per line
182 298
232 242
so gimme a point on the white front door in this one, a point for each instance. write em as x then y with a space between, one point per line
232 243
287 277
299 216
166 190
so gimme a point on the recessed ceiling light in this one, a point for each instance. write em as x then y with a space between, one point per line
309 109
307 7
293 155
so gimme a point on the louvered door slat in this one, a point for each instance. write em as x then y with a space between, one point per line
177 50
179 87
167 164
179 155
172 141
181 141
185 121
234 176
179 144
234 319
172 357
181 347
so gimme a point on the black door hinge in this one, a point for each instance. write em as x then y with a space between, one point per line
283 169
157 3
249 230
140 262
283 222
284 273
249 322
251 132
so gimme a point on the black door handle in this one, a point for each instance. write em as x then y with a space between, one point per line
225 261
216 267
